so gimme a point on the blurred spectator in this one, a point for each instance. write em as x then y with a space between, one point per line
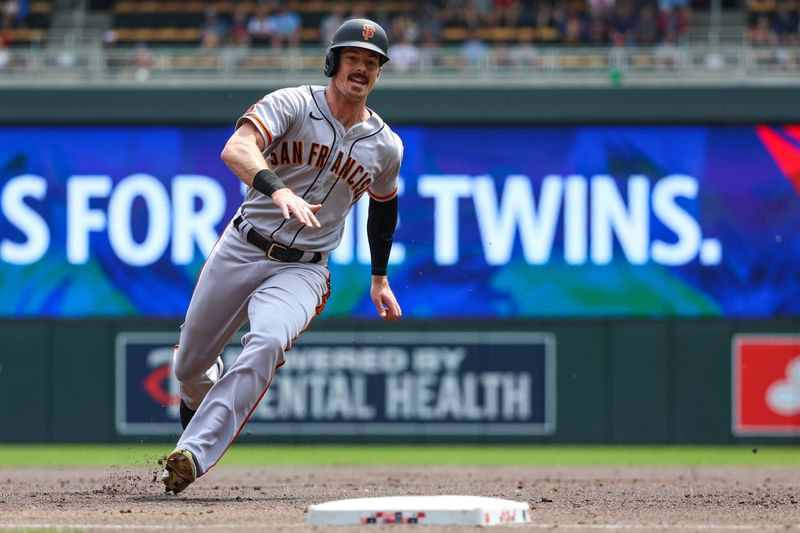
213 31
544 16
430 47
15 14
672 24
330 23
403 27
524 53
527 14
451 11
767 34
756 7
505 13
359 12
286 25
667 53
5 55
665 5
647 26
786 23
239 35
463 13
66 58
114 59
474 50
500 55
599 8
622 24
597 31
379 12
573 32
260 27
110 38
429 38
484 8
431 20
404 54
763 34
142 62
9 15
558 16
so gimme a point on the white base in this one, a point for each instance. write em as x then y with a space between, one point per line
431 510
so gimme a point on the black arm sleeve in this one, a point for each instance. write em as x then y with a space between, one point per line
381 223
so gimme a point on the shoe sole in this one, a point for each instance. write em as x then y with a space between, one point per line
179 471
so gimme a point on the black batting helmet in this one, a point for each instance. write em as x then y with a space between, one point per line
361 33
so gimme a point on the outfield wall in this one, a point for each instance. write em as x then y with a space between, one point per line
636 375
620 381
444 105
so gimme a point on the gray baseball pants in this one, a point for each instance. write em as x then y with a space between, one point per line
238 283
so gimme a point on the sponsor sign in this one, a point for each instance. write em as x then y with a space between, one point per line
432 383
544 221
766 385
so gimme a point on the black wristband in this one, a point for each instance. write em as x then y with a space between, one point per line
266 182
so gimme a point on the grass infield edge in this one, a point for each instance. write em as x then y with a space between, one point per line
134 454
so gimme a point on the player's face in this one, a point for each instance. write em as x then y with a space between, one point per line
358 71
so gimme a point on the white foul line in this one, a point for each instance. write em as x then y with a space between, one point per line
250 527
671 527
154 527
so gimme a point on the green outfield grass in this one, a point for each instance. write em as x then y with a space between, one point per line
254 454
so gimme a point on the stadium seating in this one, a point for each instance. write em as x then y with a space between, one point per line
137 21
170 22
33 31
502 34
179 24
23 37
39 14
774 10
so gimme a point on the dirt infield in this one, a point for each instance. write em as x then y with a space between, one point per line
276 498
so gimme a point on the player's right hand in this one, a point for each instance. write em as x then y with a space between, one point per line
292 205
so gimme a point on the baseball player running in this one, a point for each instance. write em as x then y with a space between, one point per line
308 154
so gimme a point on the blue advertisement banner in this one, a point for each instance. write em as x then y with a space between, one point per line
403 384
578 221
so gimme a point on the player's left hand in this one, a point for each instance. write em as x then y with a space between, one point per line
384 299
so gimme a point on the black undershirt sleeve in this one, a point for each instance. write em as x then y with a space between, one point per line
381 223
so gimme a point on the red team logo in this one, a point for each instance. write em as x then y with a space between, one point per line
766 385
369 32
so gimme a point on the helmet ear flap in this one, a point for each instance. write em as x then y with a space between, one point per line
330 62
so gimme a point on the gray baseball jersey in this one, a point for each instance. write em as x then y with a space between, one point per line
321 162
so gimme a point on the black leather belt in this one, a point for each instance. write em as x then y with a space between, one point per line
274 250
